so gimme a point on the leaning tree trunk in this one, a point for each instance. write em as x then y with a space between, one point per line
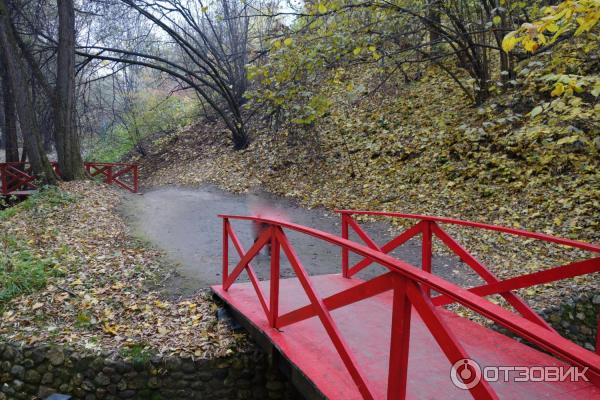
19 89
65 131
9 117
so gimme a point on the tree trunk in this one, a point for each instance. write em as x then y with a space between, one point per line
19 89
435 18
65 131
9 120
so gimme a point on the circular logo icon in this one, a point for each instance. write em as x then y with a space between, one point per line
465 373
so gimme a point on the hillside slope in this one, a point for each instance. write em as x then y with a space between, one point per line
421 148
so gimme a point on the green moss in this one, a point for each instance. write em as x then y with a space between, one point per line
137 353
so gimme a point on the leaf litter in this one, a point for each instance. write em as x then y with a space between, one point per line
105 292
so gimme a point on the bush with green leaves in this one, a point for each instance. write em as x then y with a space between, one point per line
149 112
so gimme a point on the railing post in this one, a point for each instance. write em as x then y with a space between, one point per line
109 175
274 292
598 335
135 179
225 251
399 342
4 183
426 251
345 265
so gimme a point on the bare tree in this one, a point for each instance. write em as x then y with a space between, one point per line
208 54
9 116
19 88
65 129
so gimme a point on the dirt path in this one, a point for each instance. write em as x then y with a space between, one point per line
183 222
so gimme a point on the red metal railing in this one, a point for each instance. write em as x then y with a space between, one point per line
17 178
113 174
411 289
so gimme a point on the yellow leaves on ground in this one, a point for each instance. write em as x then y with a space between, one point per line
104 297
559 89
419 148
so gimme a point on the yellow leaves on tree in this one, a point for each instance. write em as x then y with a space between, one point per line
581 16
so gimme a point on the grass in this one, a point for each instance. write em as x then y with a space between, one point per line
20 270
46 198
138 353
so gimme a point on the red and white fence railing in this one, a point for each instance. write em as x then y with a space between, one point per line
411 288
17 178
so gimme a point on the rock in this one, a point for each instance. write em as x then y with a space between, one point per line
56 357
102 379
32 376
5 366
18 385
154 382
586 330
45 391
122 385
8 390
126 394
220 373
5 377
38 354
274 385
173 363
97 364
9 353
589 346
18 371
47 378
188 366
244 394
100 393
88 386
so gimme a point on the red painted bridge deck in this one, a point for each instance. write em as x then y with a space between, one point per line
366 328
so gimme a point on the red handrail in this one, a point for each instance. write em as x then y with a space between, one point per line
408 283
17 176
503 229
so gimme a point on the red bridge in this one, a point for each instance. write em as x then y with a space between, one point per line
390 337
17 179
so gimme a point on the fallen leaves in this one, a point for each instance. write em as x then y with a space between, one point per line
422 152
107 297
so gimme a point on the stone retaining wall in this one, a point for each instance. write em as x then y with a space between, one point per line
36 372
576 319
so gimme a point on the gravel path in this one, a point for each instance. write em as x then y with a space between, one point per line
183 222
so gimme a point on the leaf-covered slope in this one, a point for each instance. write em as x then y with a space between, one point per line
421 148
97 288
